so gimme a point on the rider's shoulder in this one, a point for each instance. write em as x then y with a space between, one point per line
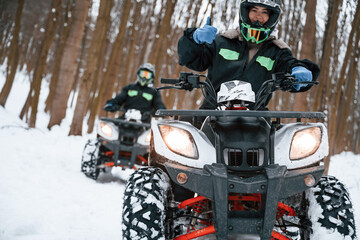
231 33
281 44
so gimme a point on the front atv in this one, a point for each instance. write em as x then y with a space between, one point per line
120 143
243 172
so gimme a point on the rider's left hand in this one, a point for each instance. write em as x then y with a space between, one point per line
146 116
301 74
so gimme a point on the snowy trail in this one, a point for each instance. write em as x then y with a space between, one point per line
43 194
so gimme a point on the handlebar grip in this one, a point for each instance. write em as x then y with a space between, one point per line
169 81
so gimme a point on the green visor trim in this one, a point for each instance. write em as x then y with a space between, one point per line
255 35
229 54
147 96
266 62
132 93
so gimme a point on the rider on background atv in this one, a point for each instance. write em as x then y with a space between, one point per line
140 95
250 53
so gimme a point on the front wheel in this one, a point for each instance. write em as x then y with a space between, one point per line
90 158
144 205
330 210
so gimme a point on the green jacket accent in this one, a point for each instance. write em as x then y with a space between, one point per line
132 93
229 54
266 62
147 96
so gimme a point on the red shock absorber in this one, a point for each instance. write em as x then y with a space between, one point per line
282 210
198 205
198 209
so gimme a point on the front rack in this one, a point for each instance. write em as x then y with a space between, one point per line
240 113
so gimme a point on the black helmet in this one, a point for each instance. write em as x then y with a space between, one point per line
255 31
146 74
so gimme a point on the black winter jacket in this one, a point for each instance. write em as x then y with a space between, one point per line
226 59
142 98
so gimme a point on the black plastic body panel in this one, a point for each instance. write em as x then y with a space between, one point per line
215 183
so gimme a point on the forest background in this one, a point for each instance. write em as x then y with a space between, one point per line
84 51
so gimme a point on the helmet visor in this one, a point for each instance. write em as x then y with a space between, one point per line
145 74
256 35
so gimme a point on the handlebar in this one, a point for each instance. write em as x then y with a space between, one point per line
169 81
186 81
279 81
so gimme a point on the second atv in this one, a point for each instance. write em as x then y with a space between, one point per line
120 143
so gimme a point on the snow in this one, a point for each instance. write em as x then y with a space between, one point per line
43 194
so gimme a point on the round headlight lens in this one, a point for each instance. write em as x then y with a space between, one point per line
305 143
179 141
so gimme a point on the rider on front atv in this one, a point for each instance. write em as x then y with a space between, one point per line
140 95
251 52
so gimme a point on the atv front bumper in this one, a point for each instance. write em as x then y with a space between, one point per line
133 150
214 182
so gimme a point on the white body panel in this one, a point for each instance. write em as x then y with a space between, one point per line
115 130
115 133
283 138
207 153
142 138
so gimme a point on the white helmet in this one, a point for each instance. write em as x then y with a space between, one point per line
133 115
236 90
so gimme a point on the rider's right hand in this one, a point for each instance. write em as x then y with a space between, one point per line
205 34
301 74
110 107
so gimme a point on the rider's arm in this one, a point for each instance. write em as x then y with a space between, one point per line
121 97
158 103
286 62
195 56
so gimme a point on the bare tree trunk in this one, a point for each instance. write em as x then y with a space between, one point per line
68 63
13 57
107 86
58 55
102 24
99 75
324 79
307 49
161 42
342 80
133 40
342 137
39 71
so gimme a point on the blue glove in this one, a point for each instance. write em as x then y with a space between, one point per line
205 34
301 74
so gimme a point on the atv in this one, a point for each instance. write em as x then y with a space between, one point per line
120 143
244 172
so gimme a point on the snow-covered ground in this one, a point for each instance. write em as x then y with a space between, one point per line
43 194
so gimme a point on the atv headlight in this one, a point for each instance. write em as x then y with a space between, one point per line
108 130
179 141
305 143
